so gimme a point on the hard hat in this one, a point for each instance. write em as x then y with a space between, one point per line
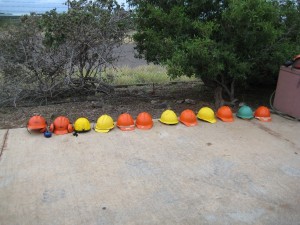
168 117
263 114
188 118
82 125
104 124
245 112
296 63
225 114
37 123
144 121
207 114
125 122
61 125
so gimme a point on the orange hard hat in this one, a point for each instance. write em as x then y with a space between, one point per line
225 114
263 114
188 118
61 125
144 121
125 122
37 123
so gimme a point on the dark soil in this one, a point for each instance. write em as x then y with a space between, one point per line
131 99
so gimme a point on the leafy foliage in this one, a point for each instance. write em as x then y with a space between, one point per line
224 42
59 51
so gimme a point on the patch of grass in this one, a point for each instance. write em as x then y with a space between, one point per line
140 75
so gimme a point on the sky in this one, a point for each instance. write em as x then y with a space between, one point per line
20 7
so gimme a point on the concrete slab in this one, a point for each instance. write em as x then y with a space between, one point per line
246 172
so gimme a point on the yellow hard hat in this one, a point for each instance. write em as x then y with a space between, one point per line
104 124
82 124
168 117
207 114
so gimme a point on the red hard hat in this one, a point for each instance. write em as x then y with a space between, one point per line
125 122
61 125
188 118
225 114
144 121
37 123
263 114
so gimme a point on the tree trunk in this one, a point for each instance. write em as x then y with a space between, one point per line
221 88
219 101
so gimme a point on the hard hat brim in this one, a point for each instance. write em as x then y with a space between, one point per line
226 119
82 131
210 121
60 132
245 117
126 128
189 124
144 127
168 123
102 131
264 119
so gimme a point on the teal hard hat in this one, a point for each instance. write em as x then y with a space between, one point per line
245 112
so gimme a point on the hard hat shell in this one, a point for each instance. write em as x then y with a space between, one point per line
168 117
245 112
144 121
188 118
263 114
224 113
61 125
125 122
296 63
82 125
297 57
207 114
104 124
37 122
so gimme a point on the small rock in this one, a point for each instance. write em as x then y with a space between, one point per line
242 104
154 101
179 101
163 105
190 101
97 104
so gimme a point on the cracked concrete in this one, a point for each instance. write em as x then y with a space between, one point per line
245 172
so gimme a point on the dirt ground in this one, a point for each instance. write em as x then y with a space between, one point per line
131 99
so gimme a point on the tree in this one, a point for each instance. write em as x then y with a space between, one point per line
26 64
224 42
91 29
61 53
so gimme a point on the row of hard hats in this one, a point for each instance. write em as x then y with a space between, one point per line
62 125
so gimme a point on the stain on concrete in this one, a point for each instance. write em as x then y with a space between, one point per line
275 134
140 166
290 171
208 144
53 195
163 134
269 131
222 167
242 179
247 217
